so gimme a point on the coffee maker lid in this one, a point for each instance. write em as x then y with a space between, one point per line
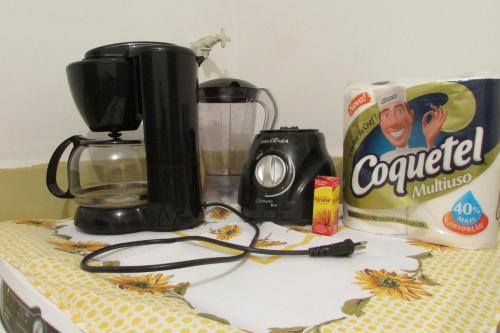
227 90
124 49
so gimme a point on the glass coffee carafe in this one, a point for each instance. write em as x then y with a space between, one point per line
227 116
102 173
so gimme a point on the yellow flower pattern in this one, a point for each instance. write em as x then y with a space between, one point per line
226 232
82 248
150 283
267 242
46 224
395 301
219 213
383 283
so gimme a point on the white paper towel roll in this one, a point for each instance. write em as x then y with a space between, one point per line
412 151
485 189
376 220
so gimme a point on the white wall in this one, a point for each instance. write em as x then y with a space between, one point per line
39 38
305 52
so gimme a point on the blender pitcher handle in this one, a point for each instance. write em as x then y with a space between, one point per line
271 114
54 163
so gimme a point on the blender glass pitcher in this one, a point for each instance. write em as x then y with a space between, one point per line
227 115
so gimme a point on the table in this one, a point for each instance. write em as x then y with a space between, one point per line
395 285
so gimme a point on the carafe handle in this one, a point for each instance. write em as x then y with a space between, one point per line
270 113
54 163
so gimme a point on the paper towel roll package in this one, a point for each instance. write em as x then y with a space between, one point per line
420 158
452 233
375 220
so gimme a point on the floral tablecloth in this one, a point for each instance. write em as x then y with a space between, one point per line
395 285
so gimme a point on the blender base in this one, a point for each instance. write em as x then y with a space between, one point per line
281 217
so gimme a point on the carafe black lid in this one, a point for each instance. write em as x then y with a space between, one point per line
227 90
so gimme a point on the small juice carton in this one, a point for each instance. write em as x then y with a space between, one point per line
325 219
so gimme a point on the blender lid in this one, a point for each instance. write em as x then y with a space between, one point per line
227 90
289 130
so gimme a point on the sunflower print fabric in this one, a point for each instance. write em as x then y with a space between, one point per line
397 286
268 242
227 232
47 224
150 283
382 283
219 213
82 248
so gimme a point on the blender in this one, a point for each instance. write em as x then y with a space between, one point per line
227 119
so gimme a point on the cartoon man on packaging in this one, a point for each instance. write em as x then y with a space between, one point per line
396 122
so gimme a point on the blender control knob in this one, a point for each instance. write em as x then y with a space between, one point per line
270 171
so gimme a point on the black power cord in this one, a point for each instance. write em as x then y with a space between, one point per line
340 249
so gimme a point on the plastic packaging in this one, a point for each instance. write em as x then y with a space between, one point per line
420 158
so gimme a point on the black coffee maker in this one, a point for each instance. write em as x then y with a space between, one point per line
117 86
